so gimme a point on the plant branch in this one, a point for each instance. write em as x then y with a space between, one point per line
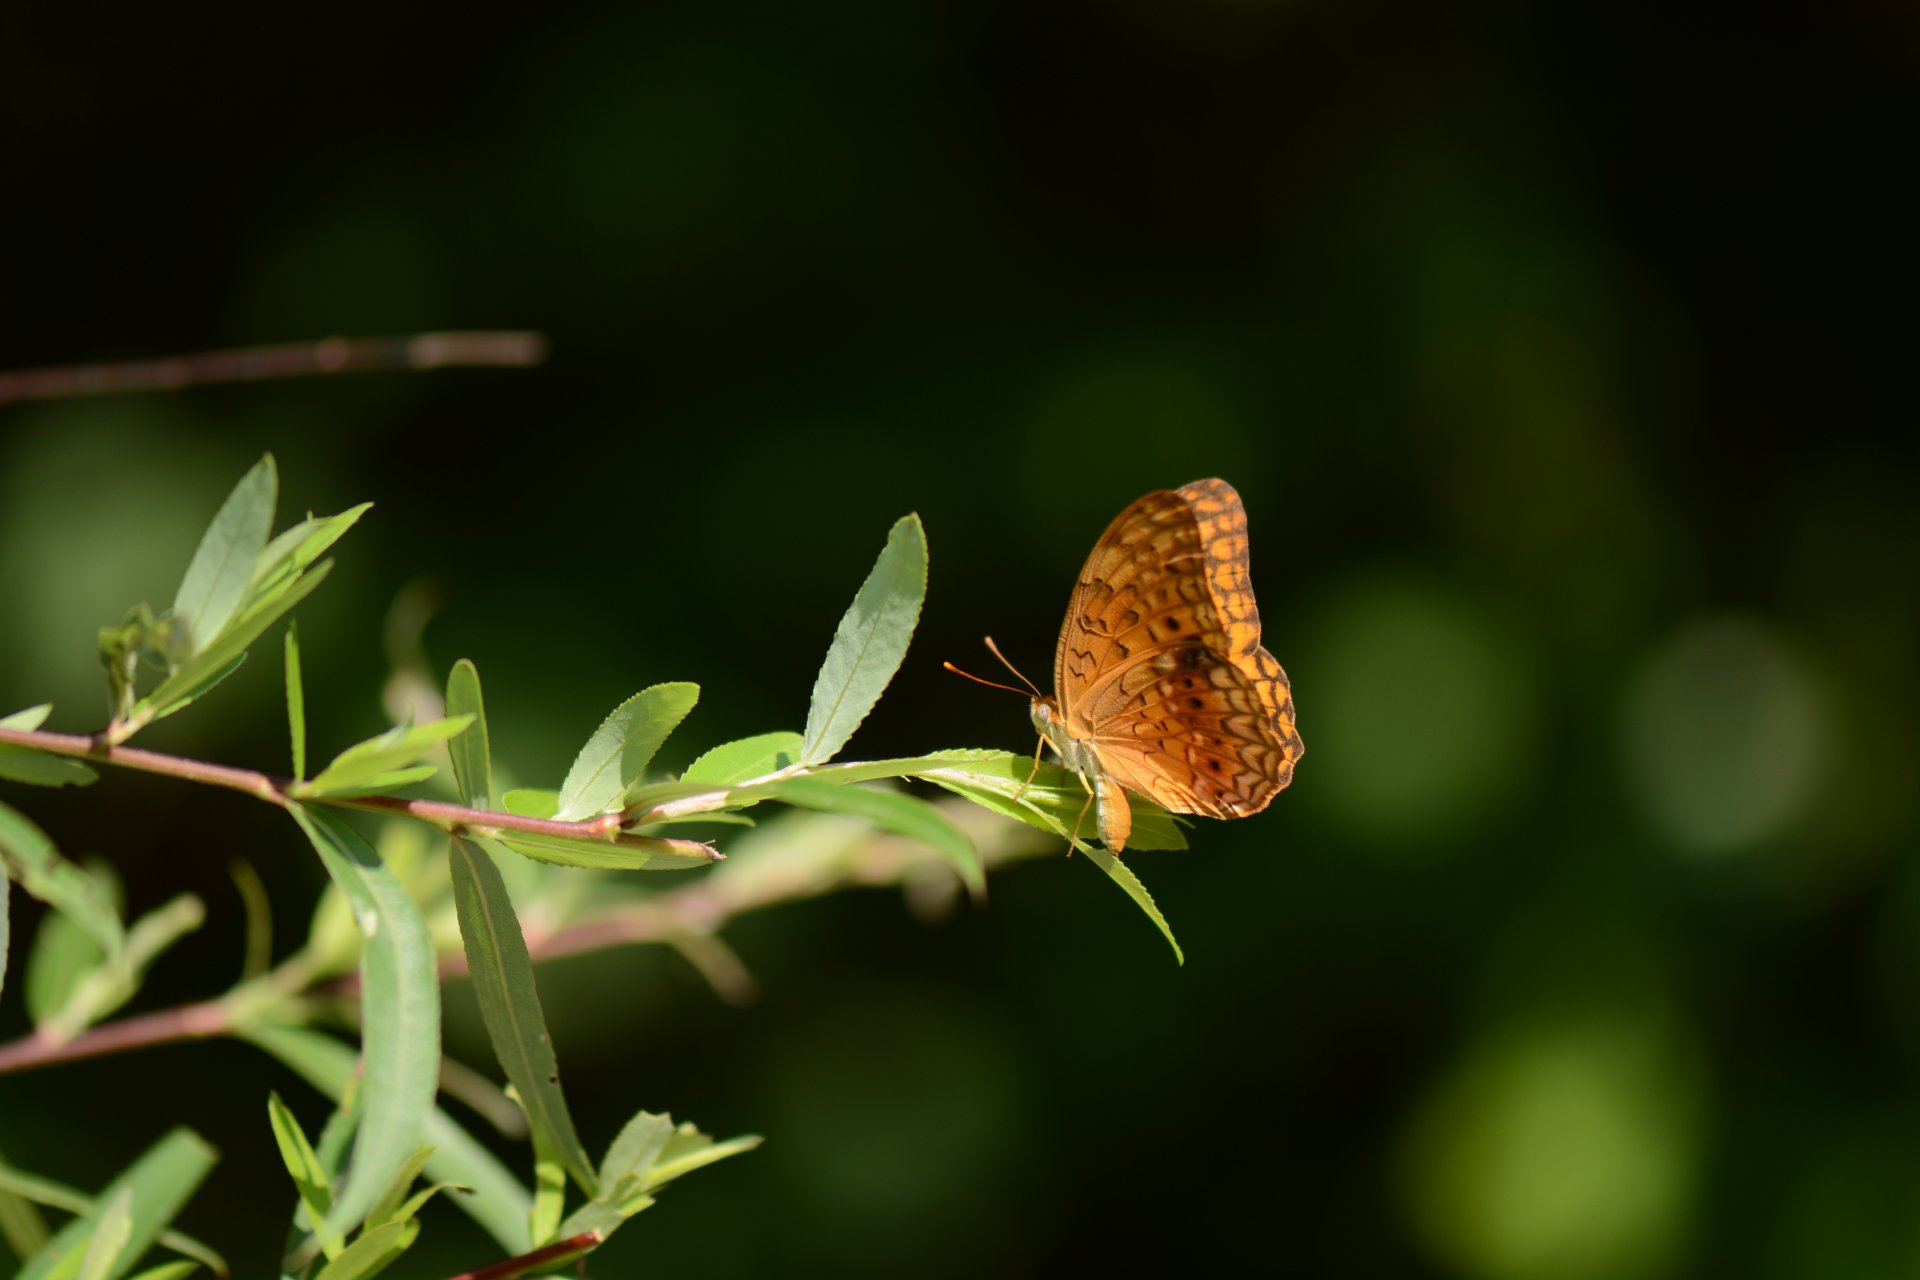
499 349
540 1259
788 874
454 818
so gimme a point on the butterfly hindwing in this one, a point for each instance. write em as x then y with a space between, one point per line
1159 667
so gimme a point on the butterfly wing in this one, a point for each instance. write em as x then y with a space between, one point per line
1159 665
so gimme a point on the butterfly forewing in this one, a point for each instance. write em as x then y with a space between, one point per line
1159 665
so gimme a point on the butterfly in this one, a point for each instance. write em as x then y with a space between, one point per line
1161 687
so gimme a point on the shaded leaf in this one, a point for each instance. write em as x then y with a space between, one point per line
503 983
42 768
1052 802
498 1203
634 1149
621 748
217 579
399 1011
160 1182
471 751
892 811
99 990
690 1149
747 758
110 1236
870 642
26 1189
6 914
30 856
635 853
387 1207
167 1271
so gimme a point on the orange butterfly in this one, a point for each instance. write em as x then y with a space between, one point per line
1161 686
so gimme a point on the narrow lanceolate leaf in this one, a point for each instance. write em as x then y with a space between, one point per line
30 857
689 1149
648 1153
158 1183
892 811
870 642
289 554
372 1253
399 1011
471 751
635 853
20 1191
1123 876
549 1191
216 582
1050 798
748 758
219 659
637 1145
110 1236
621 748
393 752
387 1207
6 891
39 769
304 1167
503 982
168 1271
498 1202
102 988
296 702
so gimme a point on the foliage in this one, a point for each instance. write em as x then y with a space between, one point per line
356 1209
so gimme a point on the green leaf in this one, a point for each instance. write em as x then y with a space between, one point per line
365 764
42 768
531 802
621 748
44 874
892 811
549 1192
747 758
296 702
690 1149
379 784
289 554
498 1203
110 1236
1123 876
304 1167
6 894
399 1011
372 1253
21 1190
1053 801
634 1149
870 642
27 719
673 801
503 983
472 756
168 1271
216 582
387 1208
105 987
160 1182
219 660
635 853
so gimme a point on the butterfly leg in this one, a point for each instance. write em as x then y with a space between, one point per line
1038 747
1083 814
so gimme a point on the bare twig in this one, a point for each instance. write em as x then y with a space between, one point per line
511 349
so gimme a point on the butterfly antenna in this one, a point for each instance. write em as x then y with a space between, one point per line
994 649
991 684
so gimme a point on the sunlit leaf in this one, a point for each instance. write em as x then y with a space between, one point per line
377 762
870 642
28 718
471 751
303 1165
216 582
634 853
747 758
296 702
295 548
621 748
217 661
111 1233
386 1208
372 1253
1123 876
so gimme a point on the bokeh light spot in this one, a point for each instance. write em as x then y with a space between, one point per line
1726 736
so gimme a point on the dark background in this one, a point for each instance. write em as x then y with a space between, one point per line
1562 356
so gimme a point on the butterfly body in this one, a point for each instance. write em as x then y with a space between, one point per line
1161 686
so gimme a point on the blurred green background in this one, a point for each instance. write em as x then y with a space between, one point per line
1562 356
